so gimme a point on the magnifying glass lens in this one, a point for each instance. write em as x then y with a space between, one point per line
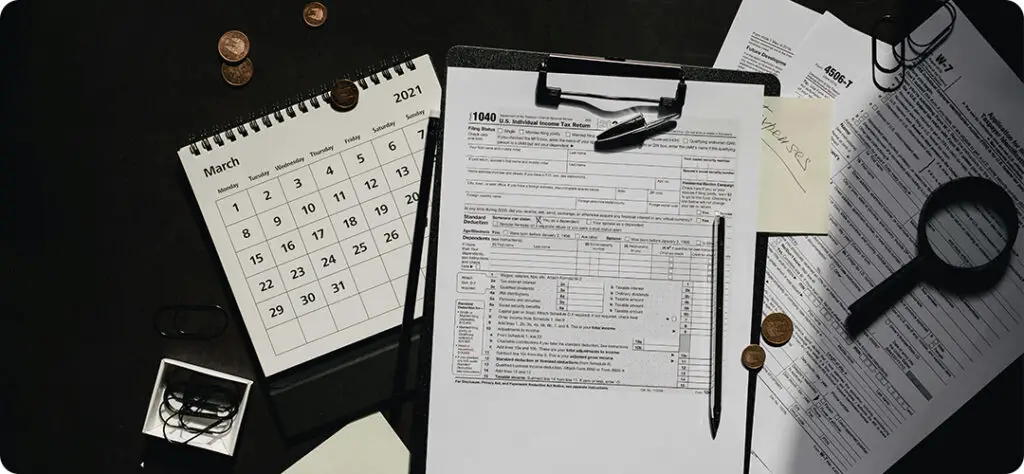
965 239
966 234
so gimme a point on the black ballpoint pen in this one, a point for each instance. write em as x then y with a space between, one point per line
633 132
430 138
717 269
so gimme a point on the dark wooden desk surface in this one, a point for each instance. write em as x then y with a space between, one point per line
98 230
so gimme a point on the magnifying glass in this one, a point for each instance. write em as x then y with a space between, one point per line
931 268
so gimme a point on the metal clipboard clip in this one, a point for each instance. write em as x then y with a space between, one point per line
630 132
919 51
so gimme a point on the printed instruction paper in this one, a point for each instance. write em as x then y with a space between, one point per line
828 404
764 35
833 59
573 304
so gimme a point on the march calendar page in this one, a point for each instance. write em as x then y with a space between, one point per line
312 215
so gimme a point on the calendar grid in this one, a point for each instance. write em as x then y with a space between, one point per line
293 242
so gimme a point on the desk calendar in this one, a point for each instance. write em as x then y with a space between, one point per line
312 213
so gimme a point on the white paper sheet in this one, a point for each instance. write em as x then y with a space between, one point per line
764 35
573 292
365 446
827 404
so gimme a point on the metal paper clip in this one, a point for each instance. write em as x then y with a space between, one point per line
194 322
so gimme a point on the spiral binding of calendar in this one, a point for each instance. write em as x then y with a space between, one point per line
266 118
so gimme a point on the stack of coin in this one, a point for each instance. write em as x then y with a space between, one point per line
233 47
777 329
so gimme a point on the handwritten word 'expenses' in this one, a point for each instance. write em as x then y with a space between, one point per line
781 138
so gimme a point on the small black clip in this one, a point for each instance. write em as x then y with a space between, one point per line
176 321
546 96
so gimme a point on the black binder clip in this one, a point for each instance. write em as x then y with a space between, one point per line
631 132
191 322
920 51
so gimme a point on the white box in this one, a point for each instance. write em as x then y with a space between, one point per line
223 443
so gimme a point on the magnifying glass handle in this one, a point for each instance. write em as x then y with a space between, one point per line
866 310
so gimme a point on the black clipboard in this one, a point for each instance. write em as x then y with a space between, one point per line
513 60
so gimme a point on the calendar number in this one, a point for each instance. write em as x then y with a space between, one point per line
351 222
235 205
266 195
256 259
360 158
307 298
288 246
381 209
309 208
336 287
407 94
412 197
318 234
276 311
371 183
298 273
340 196
328 261
277 221
391 145
402 172
391 236
298 183
329 170
421 132
246 233
266 284
359 248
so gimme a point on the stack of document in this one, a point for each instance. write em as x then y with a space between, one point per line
826 403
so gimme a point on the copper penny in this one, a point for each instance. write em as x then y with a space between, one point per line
314 14
753 357
237 74
776 329
344 95
233 46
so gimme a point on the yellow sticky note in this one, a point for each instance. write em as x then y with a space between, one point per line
366 446
795 165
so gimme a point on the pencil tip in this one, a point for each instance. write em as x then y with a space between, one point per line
714 428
